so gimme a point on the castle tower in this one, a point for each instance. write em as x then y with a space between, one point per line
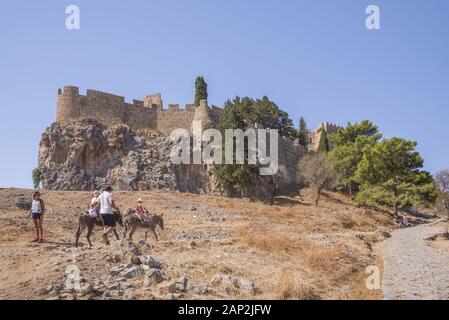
153 101
315 136
68 104
202 116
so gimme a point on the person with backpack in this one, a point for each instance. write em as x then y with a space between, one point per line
37 214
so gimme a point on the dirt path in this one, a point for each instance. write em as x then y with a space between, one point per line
413 269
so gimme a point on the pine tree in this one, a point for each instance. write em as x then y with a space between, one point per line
389 176
200 90
347 151
239 113
303 133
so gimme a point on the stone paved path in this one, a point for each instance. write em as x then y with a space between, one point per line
412 269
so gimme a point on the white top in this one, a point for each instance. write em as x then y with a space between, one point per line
36 206
105 200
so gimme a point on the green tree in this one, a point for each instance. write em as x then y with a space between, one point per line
242 113
323 145
352 132
303 132
235 177
200 90
37 176
349 144
389 176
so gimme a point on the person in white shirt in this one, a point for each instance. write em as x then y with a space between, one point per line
37 213
107 206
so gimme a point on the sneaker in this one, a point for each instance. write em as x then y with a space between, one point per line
41 240
35 240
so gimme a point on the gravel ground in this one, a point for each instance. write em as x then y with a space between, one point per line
413 269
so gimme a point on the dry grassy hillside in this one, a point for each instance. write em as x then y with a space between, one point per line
211 248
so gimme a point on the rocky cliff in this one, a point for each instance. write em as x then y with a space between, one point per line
86 155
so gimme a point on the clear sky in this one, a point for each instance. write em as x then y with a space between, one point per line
314 58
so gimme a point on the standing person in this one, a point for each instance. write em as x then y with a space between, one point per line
107 206
37 213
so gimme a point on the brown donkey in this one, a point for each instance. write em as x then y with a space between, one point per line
132 222
90 222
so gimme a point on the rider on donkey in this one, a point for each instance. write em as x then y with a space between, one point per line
141 211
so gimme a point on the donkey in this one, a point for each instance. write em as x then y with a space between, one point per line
90 222
131 221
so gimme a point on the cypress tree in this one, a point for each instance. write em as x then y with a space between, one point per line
323 146
303 133
200 90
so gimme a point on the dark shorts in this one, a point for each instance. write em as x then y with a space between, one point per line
36 215
108 220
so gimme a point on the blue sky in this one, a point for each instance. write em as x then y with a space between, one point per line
314 58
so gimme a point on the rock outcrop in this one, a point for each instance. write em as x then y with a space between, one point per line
86 155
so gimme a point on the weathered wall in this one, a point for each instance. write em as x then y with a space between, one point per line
104 107
139 117
290 153
173 118
99 105
108 109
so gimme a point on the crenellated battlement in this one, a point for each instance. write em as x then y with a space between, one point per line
109 108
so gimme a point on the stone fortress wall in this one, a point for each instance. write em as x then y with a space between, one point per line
141 114
148 113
